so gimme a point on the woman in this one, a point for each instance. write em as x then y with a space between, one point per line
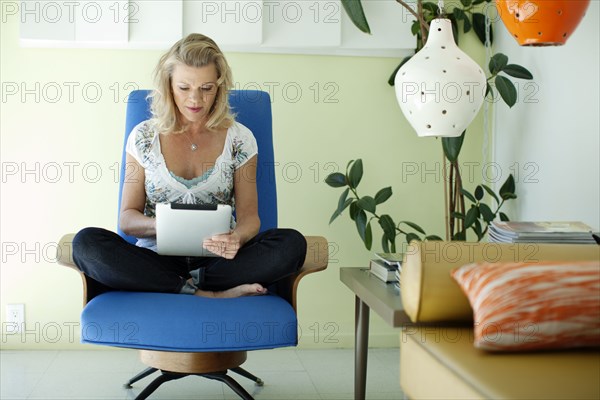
190 151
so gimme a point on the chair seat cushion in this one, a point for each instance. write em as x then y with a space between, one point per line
185 323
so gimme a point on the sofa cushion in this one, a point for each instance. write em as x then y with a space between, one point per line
185 323
531 306
429 294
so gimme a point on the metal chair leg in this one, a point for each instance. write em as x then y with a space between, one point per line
141 375
229 381
241 371
162 378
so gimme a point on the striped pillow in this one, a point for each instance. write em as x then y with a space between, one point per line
532 306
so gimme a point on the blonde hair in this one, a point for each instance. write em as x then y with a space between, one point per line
195 50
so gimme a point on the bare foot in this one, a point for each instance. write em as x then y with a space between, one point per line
253 289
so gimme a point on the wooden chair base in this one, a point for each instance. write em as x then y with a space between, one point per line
192 363
178 365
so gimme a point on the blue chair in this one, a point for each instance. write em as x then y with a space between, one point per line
180 335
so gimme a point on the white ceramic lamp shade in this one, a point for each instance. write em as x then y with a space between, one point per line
440 89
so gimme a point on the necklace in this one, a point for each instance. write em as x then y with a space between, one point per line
193 146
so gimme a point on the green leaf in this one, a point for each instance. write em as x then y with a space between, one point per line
361 224
507 90
468 195
343 198
459 14
392 79
477 230
460 236
433 237
338 212
335 214
383 195
432 8
343 202
354 210
336 179
348 165
384 244
489 90
388 245
479 192
504 217
497 63
392 243
467 25
457 215
368 236
507 189
389 228
412 236
393 246
415 28
472 215
491 192
517 71
356 173
367 203
486 212
479 28
413 225
477 2
355 11
465 3
452 146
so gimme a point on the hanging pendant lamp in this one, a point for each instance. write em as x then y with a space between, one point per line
440 89
541 22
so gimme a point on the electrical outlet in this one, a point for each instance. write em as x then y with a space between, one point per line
15 314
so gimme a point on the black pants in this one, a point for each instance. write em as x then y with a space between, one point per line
109 259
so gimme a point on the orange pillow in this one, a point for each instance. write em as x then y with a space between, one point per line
532 306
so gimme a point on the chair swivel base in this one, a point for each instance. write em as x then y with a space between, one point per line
178 365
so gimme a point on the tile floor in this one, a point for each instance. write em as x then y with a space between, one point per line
288 374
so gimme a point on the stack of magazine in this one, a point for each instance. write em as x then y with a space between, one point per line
572 232
387 267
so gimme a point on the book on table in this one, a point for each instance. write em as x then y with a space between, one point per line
386 266
541 232
394 259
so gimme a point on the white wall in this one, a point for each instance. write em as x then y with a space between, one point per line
551 136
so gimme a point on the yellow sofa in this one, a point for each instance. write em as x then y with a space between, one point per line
437 357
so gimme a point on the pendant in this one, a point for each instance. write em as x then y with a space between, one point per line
194 147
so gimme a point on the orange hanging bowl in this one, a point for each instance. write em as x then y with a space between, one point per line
541 22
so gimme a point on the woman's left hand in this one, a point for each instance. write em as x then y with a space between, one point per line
225 245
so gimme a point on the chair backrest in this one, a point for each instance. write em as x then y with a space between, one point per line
252 109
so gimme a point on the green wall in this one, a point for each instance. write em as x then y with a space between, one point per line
59 155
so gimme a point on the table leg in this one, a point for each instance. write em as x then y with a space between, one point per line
361 348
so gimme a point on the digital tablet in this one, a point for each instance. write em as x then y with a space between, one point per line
181 228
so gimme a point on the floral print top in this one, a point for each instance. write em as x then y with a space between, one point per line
214 187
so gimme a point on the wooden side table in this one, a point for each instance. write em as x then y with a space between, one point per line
384 299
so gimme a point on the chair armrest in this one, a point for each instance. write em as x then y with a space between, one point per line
64 256
64 252
317 257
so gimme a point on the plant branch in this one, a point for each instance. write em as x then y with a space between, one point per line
447 212
418 16
461 198
452 201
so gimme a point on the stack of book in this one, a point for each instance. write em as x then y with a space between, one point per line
387 267
541 232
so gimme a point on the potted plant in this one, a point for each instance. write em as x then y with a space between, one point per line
465 211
